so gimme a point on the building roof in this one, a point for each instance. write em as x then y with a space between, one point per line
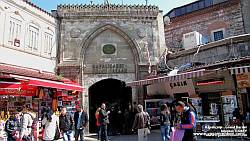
37 7
192 7
10 69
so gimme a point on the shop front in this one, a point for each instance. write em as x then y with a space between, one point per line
20 87
166 89
216 98
243 86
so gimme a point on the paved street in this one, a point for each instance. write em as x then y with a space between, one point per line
155 136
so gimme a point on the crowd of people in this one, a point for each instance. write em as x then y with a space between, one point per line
22 125
179 117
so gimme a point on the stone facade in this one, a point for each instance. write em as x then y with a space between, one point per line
226 16
132 35
246 12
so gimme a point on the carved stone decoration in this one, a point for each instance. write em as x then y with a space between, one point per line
141 33
75 33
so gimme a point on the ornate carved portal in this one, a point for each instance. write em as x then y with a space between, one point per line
107 53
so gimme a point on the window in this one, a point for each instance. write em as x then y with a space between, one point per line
208 3
172 14
178 12
189 8
14 32
201 4
33 38
47 43
183 10
195 6
218 35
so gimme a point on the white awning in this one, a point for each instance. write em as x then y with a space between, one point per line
161 79
239 70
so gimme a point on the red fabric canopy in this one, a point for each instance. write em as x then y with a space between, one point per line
16 89
50 84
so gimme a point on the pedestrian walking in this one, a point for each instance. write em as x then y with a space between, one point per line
66 124
50 122
81 121
11 128
26 124
141 124
188 121
104 121
165 122
98 125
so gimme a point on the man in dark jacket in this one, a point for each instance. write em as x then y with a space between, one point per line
104 121
81 120
11 127
66 124
141 124
188 121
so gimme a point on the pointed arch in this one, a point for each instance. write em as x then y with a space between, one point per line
95 32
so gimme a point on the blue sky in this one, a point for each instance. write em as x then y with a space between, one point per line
165 5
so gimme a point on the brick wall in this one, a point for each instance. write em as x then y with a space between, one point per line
227 16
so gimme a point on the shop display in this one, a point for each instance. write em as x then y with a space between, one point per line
229 104
153 109
197 104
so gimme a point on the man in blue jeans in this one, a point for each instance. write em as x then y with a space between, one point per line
81 120
66 125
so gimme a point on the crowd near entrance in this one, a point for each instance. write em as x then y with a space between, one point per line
118 99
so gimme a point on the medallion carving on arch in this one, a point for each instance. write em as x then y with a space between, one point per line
96 31
75 33
141 33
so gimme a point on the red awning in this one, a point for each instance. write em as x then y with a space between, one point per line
16 89
48 83
177 77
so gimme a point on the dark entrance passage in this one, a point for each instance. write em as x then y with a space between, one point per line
118 99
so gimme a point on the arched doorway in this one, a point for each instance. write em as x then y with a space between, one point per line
117 97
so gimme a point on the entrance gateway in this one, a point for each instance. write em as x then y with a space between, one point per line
103 47
112 65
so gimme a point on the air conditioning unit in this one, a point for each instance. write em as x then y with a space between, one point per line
192 40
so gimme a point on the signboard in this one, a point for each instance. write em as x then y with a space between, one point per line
170 88
109 68
27 92
243 80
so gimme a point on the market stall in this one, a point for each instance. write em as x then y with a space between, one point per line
39 90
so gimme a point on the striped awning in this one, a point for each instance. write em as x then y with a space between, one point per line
239 70
177 77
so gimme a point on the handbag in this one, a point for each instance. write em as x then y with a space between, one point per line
147 131
57 134
177 135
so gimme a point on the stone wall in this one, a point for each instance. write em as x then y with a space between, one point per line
136 31
227 16
246 12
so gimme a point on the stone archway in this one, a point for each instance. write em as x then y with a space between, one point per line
115 95
97 65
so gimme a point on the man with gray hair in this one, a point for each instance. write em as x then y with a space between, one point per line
141 124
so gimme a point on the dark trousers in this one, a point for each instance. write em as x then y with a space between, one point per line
10 138
104 133
98 132
79 132
188 136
